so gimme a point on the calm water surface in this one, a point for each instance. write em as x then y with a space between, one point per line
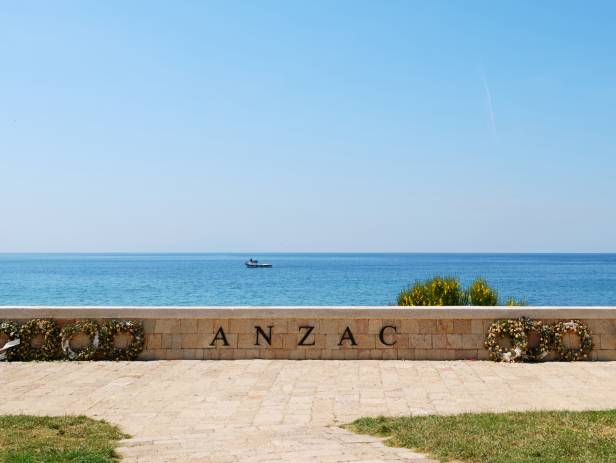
295 279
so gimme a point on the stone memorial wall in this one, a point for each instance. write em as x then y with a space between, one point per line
298 333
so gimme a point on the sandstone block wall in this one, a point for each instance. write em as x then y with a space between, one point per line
326 333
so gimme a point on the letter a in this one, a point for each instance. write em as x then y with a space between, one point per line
220 336
347 336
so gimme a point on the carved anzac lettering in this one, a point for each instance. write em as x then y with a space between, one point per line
267 337
382 335
220 336
347 336
302 342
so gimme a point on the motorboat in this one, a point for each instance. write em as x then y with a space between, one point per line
252 263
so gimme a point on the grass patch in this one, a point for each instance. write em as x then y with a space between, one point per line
43 439
529 437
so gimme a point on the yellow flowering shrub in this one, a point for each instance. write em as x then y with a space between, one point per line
479 293
448 291
437 291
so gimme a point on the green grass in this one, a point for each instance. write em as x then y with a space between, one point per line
75 439
531 437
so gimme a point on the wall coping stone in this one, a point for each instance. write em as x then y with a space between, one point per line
336 312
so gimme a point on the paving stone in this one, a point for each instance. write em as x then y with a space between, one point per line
287 411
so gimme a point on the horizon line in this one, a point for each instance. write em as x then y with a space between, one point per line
306 252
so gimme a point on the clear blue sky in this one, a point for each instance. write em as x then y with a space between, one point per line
308 126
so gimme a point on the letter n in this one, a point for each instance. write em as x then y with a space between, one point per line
267 337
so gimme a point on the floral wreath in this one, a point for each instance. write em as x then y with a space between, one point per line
539 352
50 332
113 328
87 327
515 330
10 330
560 329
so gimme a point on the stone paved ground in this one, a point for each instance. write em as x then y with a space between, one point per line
287 411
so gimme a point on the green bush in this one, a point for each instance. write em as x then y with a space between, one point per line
448 291
437 291
417 295
479 293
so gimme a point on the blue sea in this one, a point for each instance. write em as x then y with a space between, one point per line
294 279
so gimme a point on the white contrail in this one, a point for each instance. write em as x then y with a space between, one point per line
489 98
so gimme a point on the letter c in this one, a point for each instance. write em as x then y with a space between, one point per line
382 335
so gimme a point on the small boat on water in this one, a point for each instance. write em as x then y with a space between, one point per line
252 263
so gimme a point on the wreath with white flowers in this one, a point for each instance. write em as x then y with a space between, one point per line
10 330
50 332
513 329
578 328
115 327
543 348
90 328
